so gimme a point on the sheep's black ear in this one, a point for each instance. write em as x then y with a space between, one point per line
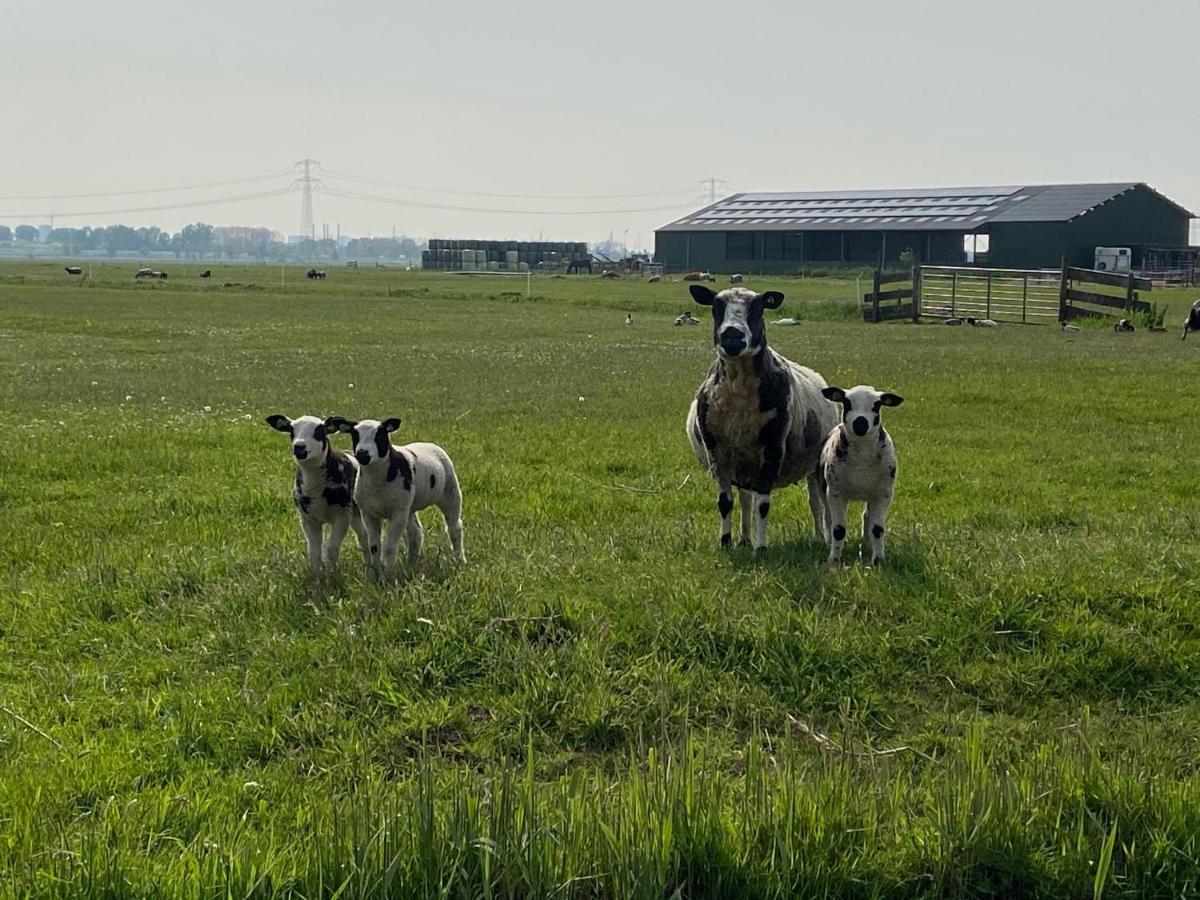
891 399
702 295
771 299
836 394
339 423
390 425
280 423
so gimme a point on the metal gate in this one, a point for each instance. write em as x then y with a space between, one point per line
1029 296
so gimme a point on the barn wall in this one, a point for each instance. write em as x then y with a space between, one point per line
1027 245
1139 216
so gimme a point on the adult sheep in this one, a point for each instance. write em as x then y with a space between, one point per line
758 420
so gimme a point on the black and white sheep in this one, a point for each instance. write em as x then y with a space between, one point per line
858 462
323 490
1192 322
73 270
758 420
394 483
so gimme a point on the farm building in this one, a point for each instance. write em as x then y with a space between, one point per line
1004 227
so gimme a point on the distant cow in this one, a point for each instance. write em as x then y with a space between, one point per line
144 273
73 270
576 264
158 275
207 273
315 273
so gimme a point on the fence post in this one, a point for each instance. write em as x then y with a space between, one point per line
1024 297
953 292
1064 285
1129 295
916 297
989 294
875 296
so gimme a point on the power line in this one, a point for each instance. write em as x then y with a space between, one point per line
154 190
215 201
526 195
399 201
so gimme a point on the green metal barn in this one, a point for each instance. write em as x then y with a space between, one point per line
1003 227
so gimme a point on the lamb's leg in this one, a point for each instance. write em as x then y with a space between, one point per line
747 501
876 515
360 533
372 525
820 509
333 545
762 506
837 534
312 534
725 508
397 527
416 538
451 508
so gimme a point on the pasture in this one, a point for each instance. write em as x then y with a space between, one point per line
601 703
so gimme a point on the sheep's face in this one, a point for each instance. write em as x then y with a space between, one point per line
371 439
309 441
738 327
860 408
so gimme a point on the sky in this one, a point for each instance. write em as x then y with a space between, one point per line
424 116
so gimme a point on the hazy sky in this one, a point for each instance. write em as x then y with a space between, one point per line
484 98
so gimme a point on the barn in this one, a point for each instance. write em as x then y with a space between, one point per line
1003 227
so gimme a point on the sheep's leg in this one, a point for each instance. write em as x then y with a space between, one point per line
725 508
312 534
360 533
372 525
416 538
333 546
876 516
837 534
762 506
820 509
451 509
747 500
397 527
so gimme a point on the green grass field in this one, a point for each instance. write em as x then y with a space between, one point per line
602 703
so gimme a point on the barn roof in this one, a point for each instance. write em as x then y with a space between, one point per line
925 209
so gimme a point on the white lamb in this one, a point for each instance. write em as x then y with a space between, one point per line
858 462
323 491
394 483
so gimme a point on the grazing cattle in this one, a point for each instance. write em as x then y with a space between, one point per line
758 420
323 490
858 462
699 276
394 483
1123 325
144 273
73 270
207 273
574 266
315 273
1192 322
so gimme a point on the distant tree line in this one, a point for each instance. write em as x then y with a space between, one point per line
200 240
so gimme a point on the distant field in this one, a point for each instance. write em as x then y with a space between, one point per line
602 703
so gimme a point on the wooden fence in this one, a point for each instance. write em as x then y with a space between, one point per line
1021 296
1076 303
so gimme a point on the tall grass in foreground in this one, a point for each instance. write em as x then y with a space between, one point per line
1059 824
